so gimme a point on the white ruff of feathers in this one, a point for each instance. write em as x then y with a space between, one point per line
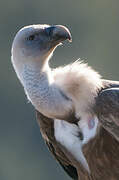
81 83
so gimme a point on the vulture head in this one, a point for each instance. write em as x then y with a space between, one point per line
35 43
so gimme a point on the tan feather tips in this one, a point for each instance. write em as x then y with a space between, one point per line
80 82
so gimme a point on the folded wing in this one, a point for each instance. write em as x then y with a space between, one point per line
107 107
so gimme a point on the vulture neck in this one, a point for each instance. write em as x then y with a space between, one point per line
43 93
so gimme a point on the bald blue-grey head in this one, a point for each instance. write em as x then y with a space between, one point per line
36 42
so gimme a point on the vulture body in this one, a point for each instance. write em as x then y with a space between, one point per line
78 112
102 152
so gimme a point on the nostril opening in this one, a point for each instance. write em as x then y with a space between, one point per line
49 30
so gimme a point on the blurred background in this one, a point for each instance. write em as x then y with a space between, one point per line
94 26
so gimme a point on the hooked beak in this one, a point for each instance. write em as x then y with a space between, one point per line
59 33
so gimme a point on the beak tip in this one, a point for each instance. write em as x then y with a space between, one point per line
70 39
63 32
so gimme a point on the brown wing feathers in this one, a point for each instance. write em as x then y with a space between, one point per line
103 152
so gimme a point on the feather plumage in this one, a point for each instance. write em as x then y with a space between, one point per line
102 152
78 112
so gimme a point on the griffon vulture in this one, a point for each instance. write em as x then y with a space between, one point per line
78 111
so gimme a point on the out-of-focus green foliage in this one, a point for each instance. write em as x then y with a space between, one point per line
95 29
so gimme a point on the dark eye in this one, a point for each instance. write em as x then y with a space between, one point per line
31 37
